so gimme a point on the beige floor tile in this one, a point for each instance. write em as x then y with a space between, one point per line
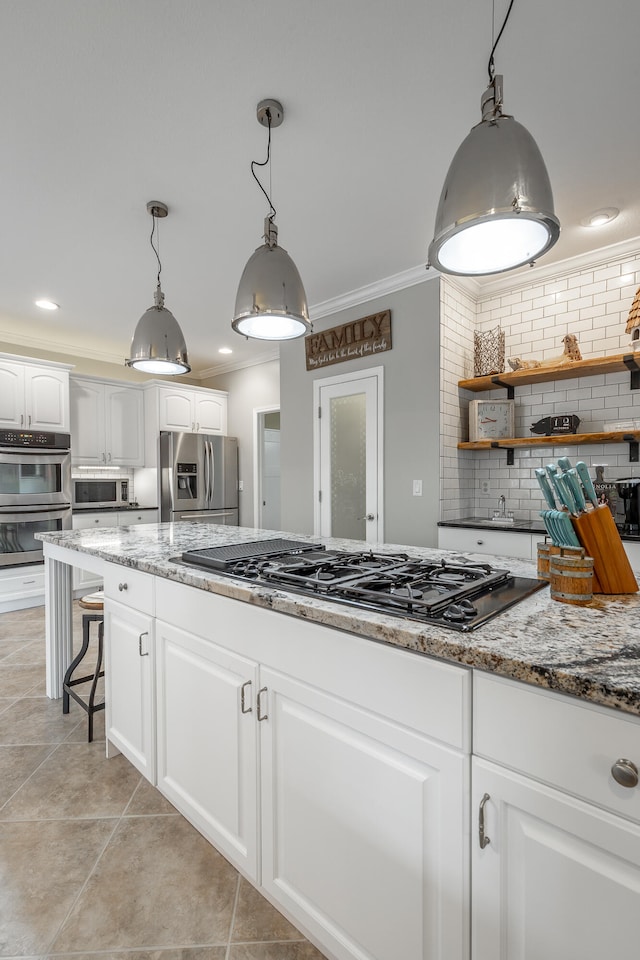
26 651
148 801
17 763
6 703
21 629
80 733
158 883
9 647
17 679
302 950
256 919
75 781
43 866
37 720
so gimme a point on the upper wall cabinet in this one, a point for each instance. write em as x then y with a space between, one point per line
34 396
183 409
107 423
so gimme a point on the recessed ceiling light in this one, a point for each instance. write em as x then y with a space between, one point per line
47 305
599 217
225 350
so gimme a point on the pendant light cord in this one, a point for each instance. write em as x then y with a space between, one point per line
491 66
258 163
153 230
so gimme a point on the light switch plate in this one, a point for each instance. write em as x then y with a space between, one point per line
417 488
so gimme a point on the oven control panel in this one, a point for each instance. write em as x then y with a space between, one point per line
35 439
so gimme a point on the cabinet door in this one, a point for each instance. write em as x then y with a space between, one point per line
87 422
176 409
207 733
364 837
46 398
496 542
559 878
210 414
124 426
129 686
12 395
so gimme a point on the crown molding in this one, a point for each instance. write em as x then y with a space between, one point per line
57 346
229 366
399 281
560 268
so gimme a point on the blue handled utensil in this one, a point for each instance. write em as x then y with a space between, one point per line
576 489
564 463
545 486
583 472
565 493
549 527
552 472
567 533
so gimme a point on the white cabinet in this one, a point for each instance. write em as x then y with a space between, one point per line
130 717
183 409
332 770
207 735
503 543
107 423
363 825
34 396
21 587
560 874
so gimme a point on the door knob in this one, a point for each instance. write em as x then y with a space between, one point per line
369 516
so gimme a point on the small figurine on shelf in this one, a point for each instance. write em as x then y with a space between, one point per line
571 353
633 322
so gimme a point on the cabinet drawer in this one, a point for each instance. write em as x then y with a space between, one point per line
88 521
475 540
563 742
129 587
127 518
18 583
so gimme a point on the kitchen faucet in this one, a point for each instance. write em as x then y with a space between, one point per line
502 506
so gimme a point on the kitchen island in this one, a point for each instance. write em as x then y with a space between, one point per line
354 782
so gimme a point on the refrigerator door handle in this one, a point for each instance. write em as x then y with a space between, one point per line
206 475
213 473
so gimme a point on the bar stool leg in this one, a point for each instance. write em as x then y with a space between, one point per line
99 673
66 683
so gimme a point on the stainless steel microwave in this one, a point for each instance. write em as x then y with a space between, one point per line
103 492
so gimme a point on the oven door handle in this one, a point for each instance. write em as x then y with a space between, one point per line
36 457
28 515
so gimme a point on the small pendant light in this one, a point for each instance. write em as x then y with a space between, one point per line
496 207
271 303
158 345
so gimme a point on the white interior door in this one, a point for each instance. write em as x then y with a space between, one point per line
266 458
348 456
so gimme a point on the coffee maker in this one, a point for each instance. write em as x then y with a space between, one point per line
627 515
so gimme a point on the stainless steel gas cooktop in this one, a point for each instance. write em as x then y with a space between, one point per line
456 594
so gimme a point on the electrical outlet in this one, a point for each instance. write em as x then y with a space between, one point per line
485 486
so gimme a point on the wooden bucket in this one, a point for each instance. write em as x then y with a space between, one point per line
543 561
571 578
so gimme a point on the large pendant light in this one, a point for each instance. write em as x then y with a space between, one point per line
271 303
496 206
158 345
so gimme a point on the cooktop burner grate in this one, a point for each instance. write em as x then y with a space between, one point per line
218 558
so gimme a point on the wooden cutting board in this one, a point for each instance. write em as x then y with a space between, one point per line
598 534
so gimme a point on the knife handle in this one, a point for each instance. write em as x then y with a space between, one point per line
576 488
567 493
583 472
564 463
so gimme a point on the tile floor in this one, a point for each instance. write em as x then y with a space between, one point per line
94 862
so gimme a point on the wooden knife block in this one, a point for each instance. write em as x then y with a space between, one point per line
599 535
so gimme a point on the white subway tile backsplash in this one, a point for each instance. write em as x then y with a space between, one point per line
593 304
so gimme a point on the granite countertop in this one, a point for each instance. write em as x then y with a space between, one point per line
518 526
591 652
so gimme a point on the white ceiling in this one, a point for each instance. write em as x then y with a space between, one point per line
106 104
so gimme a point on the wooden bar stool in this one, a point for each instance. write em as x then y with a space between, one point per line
94 602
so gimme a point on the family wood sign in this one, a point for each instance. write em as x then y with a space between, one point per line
360 338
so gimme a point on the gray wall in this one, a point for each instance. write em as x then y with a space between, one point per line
251 387
411 415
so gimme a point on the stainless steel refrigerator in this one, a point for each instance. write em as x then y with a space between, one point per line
198 478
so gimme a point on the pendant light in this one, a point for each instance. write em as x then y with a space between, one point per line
158 345
270 303
496 206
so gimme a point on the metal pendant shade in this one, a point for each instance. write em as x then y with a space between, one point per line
496 207
158 345
271 303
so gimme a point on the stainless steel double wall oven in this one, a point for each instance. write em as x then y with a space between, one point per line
35 491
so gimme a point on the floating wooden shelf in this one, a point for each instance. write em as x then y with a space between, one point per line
557 440
561 371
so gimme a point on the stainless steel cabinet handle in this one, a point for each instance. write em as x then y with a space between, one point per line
479 542
482 837
29 419
261 716
193 427
243 701
108 458
197 426
145 634
22 419
122 586
625 772
97 520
